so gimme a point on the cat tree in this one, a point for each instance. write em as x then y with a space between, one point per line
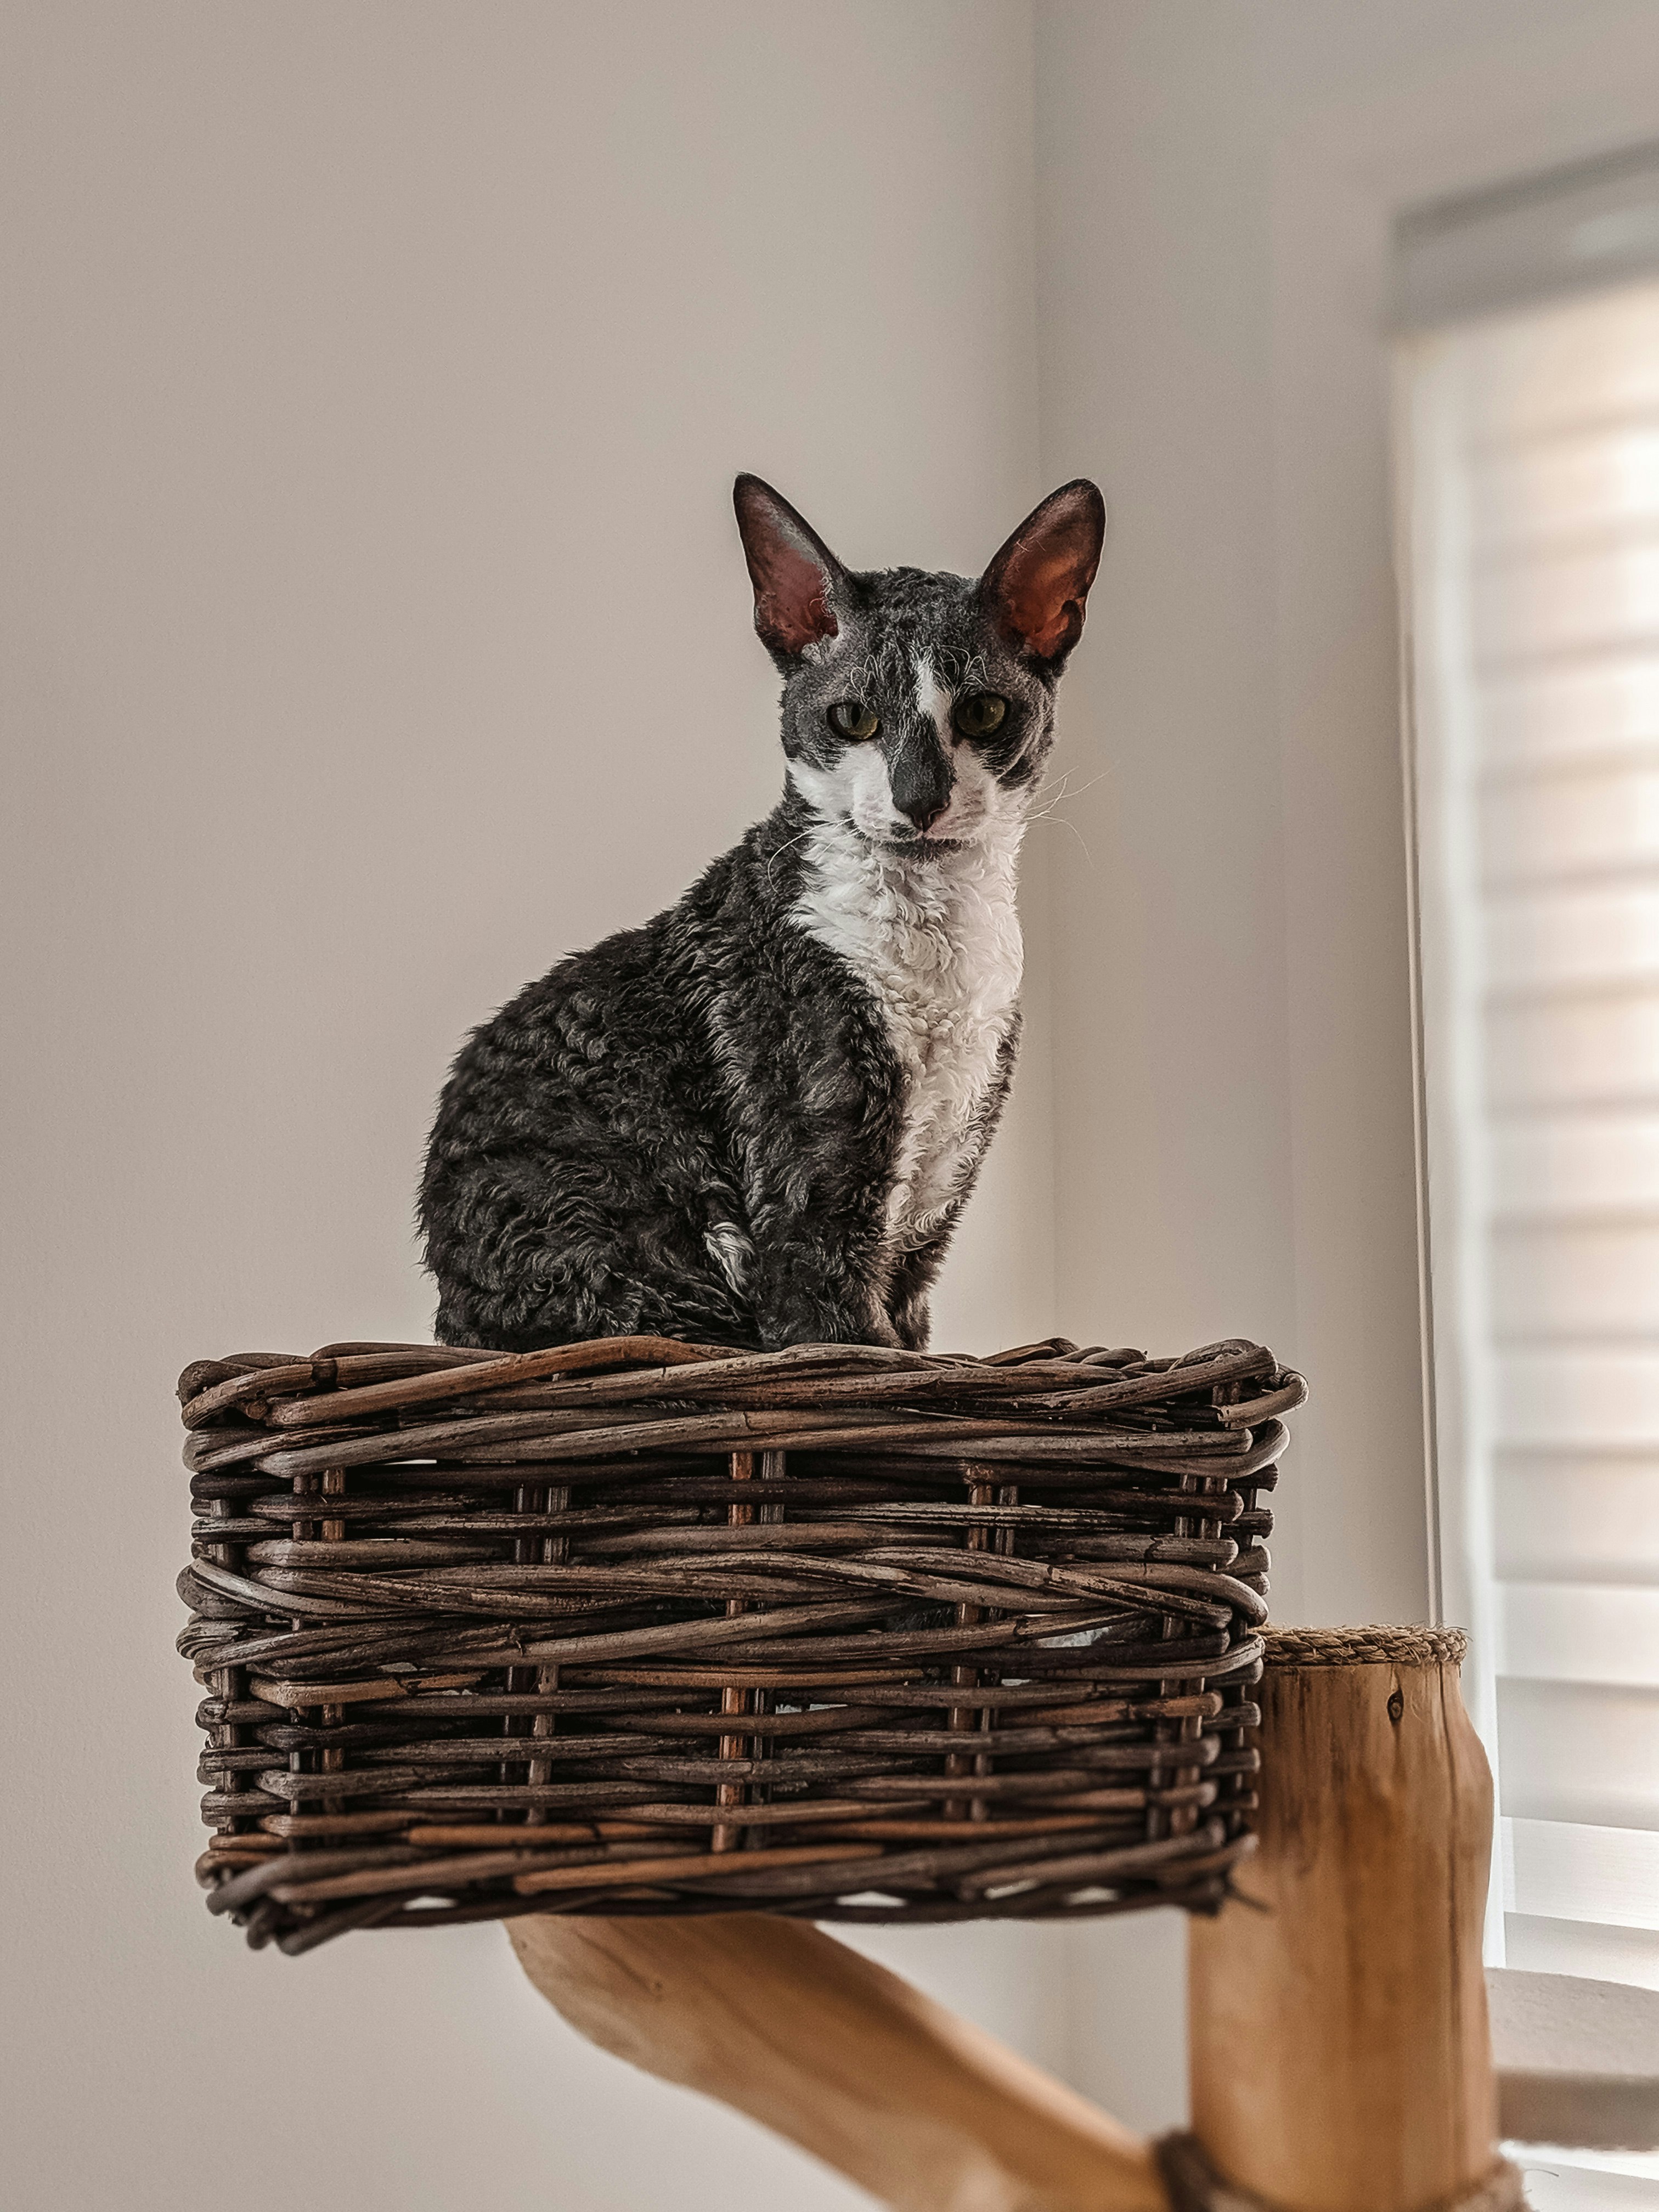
662 1653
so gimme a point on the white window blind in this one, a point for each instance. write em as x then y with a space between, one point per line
1529 499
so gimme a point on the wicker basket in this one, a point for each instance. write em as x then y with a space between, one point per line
641 1626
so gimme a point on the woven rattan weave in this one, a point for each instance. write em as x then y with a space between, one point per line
640 1626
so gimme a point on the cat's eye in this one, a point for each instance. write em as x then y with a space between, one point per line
851 718
980 713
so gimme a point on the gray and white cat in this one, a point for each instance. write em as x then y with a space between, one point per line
755 1120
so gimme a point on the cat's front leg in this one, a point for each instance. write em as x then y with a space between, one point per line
818 1275
913 1322
815 1102
909 1293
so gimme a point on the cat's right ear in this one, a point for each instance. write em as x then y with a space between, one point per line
795 573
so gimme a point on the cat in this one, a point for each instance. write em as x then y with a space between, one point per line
755 1120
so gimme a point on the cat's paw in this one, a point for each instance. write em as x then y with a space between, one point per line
806 1322
913 1323
881 1330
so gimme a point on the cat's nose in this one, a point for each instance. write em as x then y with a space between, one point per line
921 778
923 813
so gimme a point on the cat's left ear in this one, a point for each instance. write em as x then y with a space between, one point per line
1036 588
796 579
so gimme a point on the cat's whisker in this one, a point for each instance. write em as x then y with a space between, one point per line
1051 812
789 847
1062 791
1061 822
1053 783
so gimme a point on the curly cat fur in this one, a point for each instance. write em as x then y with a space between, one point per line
756 1119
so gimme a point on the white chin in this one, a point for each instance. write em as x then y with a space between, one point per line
899 840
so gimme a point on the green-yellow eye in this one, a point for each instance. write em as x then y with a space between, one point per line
980 713
851 718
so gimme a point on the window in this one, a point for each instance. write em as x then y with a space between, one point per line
1528 386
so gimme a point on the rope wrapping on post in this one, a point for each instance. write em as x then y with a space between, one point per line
1196 2186
1366 1647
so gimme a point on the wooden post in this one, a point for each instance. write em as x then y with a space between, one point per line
924 2111
1340 2058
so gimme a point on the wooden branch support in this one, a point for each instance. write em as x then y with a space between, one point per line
1340 2057
923 2110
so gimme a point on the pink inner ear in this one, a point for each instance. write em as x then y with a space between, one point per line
1040 590
1037 586
792 608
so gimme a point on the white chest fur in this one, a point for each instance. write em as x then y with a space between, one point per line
938 945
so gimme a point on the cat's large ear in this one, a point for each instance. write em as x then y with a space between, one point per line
795 575
1036 588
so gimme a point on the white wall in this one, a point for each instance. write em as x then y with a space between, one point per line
376 631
